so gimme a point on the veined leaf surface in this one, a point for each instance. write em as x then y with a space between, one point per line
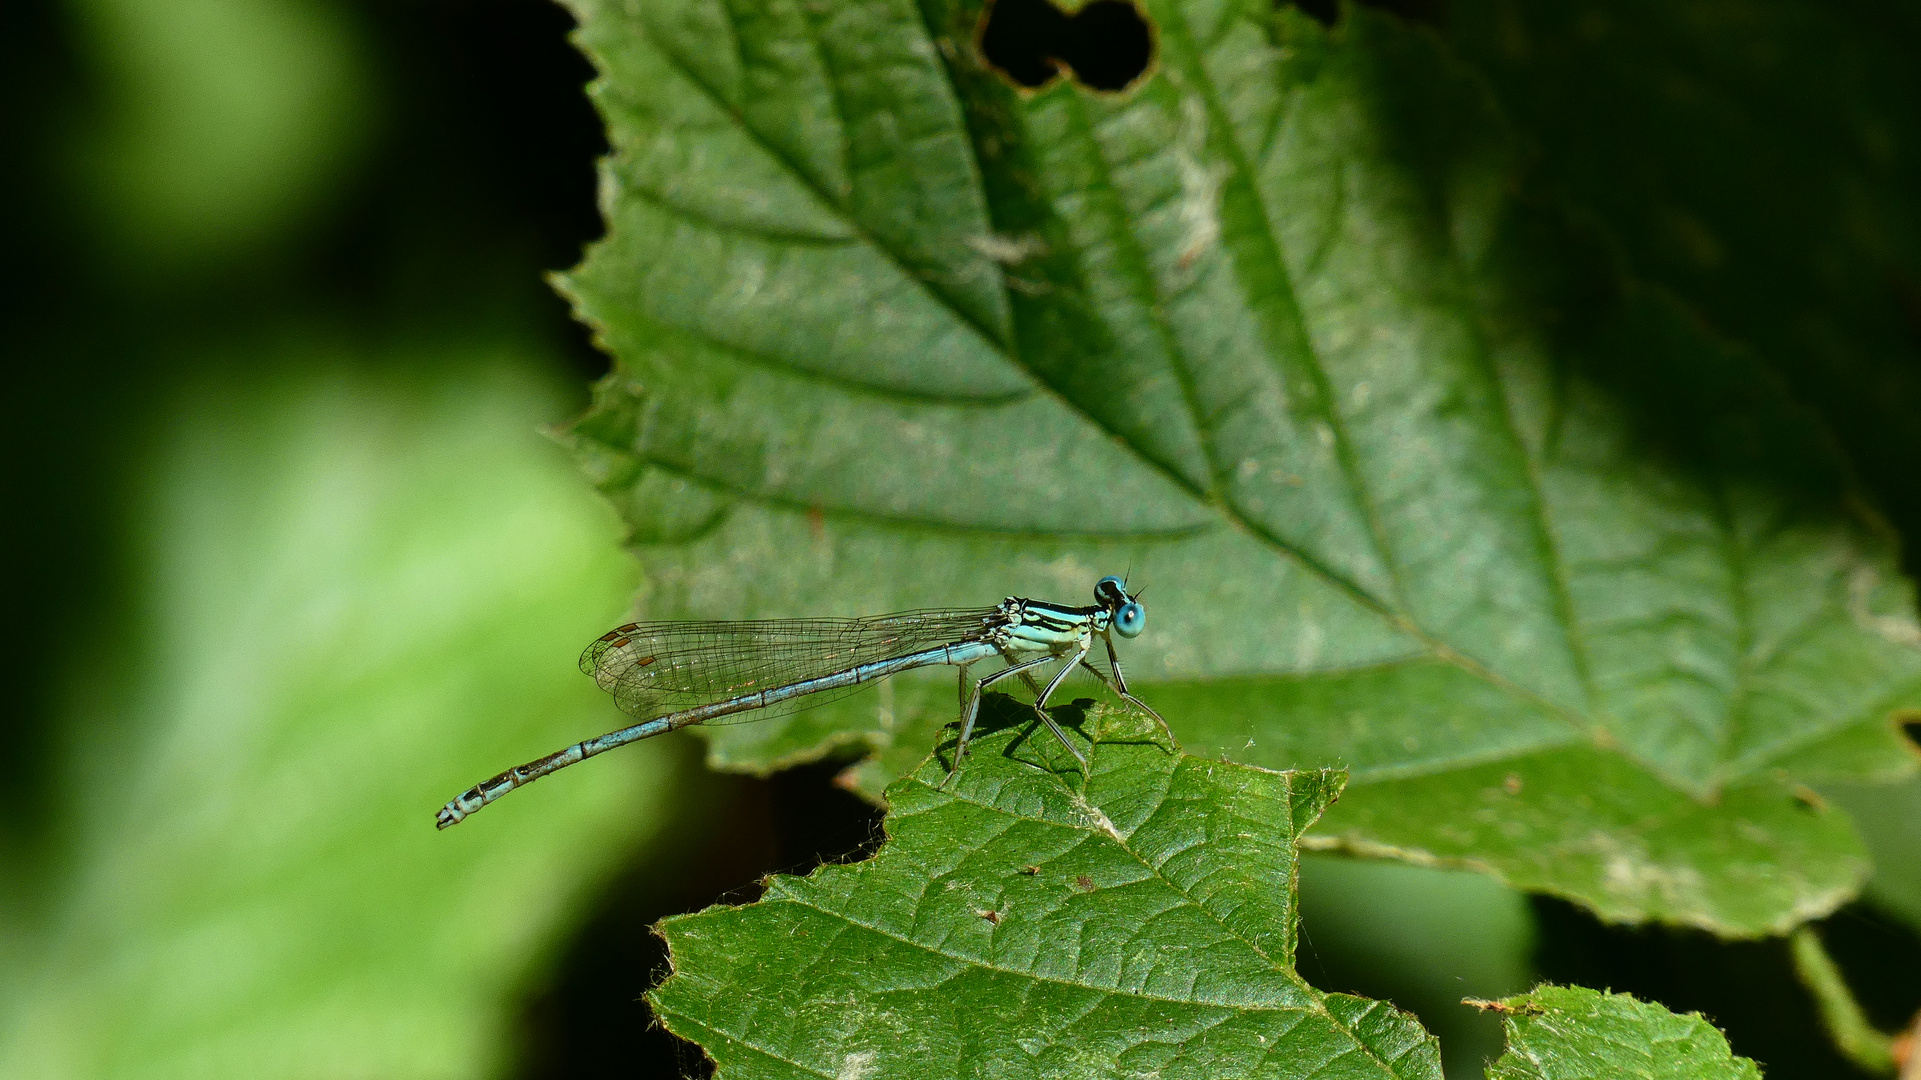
1572 1033
1138 921
1419 483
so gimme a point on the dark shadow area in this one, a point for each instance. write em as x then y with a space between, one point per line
484 178
1618 360
1328 12
1879 954
1771 206
1325 12
1106 45
478 176
590 1021
55 546
1748 988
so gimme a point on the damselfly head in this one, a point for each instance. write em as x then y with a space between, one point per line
1126 616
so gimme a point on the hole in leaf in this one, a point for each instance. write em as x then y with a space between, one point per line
1911 727
1107 44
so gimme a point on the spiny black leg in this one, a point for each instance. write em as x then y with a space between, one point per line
1040 705
1119 686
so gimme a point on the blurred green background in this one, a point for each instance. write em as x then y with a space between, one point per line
292 562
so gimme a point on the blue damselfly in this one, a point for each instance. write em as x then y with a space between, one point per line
680 673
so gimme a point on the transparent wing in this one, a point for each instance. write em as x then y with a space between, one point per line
652 668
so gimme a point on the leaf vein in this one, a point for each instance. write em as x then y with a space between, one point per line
1267 249
800 176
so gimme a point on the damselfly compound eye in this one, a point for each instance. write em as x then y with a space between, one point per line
1130 620
1109 591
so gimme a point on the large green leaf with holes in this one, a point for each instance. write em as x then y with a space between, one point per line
1418 480
1031 920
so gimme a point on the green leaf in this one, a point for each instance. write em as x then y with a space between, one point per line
361 593
1419 483
1571 1033
1137 921
1889 817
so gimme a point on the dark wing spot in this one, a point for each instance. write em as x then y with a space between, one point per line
617 644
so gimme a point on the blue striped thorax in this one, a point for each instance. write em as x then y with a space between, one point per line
1023 625
1038 626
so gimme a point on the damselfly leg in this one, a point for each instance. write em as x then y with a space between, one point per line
973 708
1118 684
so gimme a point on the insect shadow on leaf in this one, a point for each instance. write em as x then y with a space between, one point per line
1000 711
